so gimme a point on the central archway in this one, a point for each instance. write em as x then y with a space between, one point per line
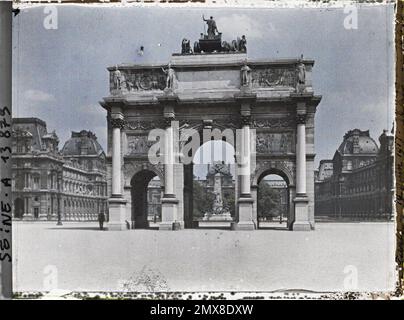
213 161
146 200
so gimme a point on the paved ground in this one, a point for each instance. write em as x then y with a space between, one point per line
76 256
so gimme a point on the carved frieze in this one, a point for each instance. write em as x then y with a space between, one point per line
145 125
273 123
138 145
229 122
134 80
271 77
275 142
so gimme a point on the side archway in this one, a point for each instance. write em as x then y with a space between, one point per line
145 199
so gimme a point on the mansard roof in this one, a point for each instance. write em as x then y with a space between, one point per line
357 141
82 143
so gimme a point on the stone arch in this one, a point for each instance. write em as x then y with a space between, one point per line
269 168
131 169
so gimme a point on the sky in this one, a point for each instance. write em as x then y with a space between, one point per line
59 75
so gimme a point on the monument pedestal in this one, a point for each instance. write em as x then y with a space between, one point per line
226 216
245 210
302 222
117 214
169 207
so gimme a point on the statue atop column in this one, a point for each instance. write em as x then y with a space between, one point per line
301 75
212 28
117 79
170 77
245 75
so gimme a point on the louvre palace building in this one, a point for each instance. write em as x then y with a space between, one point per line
53 184
358 183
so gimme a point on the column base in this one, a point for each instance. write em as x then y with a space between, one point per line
171 225
301 222
169 206
245 211
301 226
244 225
117 215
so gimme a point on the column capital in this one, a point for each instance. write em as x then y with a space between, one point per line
301 118
118 123
167 121
245 120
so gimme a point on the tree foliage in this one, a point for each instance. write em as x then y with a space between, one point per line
269 201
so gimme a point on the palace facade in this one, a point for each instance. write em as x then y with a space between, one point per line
52 184
358 183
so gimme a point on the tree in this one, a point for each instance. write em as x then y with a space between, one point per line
269 201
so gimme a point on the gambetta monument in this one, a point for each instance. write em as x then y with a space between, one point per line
218 212
216 87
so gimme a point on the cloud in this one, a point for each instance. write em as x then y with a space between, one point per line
239 24
38 96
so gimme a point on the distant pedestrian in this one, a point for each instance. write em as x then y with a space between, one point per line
101 219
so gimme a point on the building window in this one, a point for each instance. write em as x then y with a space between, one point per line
36 182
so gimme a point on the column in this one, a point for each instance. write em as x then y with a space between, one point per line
246 162
245 200
116 157
301 219
169 202
301 156
169 163
117 204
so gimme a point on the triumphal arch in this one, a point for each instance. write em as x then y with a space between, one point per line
269 105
